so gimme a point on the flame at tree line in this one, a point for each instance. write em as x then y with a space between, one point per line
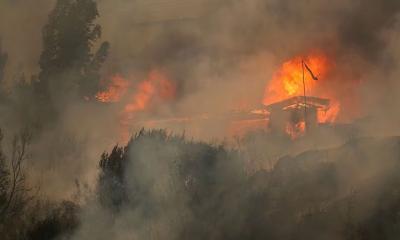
137 97
117 89
286 82
155 87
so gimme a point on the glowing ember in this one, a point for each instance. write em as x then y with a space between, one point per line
296 130
329 115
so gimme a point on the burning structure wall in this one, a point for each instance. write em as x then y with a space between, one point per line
296 115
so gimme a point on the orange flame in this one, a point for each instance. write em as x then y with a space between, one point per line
329 115
155 87
288 80
115 90
295 131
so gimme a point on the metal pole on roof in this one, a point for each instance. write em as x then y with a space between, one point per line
305 97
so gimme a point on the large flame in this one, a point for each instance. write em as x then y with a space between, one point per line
115 91
288 82
155 89
329 115
297 130
156 85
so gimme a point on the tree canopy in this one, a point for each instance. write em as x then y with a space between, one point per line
3 61
68 61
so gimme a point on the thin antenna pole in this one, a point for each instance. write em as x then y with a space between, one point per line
305 98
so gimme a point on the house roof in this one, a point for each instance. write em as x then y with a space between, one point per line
298 102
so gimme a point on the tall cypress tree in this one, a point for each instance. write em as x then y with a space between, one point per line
3 61
68 62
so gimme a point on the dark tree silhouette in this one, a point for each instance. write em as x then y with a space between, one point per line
16 195
67 62
4 177
111 185
193 174
61 221
3 61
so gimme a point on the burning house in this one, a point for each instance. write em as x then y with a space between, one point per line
296 114
288 105
290 95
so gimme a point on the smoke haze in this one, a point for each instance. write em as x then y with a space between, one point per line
217 57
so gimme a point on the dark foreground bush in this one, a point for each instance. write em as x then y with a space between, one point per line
60 223
187 190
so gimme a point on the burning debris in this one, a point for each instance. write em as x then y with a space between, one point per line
297 114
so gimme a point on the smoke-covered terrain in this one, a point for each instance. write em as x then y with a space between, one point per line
158 119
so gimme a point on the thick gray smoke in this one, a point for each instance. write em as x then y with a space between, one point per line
220 54
209 47
224 46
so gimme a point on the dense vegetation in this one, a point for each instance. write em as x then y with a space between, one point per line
349 192
161 186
